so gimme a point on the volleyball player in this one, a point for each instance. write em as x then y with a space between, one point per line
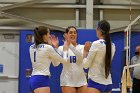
73 79
42 54
99 60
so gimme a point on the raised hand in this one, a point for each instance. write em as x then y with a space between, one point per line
86 48
49 41
54 41
67 39
66 42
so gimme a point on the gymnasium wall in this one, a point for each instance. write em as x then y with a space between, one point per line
9 60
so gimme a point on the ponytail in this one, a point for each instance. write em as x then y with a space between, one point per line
107 55
105 28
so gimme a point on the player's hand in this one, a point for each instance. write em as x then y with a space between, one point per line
54 41
67 39
66 42
50 41
65 46
87 46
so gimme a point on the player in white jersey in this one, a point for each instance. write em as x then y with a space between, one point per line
42 54
99 60
73 79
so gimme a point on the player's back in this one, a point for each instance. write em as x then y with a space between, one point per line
97 68
40 59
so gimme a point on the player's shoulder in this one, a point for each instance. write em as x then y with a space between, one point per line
113 44
44 46
98 42
60 48
32 46
134 57
80 46
47 46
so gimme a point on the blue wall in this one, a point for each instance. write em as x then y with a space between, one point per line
24 62
135 40
118 60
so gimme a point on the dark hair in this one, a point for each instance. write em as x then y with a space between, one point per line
38 34
104 27
68 28
136 53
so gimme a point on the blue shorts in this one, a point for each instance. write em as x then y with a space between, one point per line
100 87
38 81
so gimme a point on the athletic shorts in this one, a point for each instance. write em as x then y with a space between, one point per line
38 81
100 87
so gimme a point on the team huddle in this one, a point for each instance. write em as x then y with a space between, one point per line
96 56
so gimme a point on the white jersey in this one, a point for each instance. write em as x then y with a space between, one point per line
41 58
73 74
95 61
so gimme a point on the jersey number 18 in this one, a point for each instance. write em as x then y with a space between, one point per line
72 59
